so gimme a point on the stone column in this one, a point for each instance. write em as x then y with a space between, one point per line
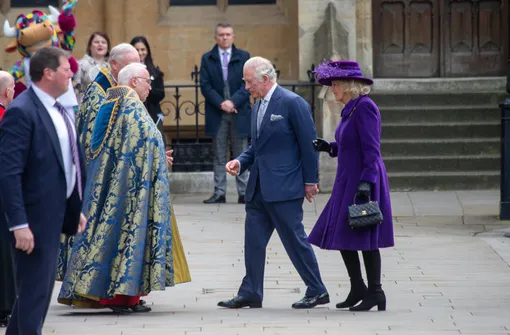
311 15
116 20
364 36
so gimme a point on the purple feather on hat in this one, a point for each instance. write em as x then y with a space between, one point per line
326 72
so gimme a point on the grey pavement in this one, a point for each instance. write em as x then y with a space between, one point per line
448 273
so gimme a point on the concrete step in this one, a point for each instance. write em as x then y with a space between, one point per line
459 113
441 130
437 180
431 147
442 163
435 99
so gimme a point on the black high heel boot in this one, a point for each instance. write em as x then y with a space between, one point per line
356 294
375 295
358 287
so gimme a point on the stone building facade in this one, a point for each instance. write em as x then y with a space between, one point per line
422 43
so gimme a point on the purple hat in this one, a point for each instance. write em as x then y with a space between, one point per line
339 70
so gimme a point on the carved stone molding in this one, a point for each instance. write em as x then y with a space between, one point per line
211 15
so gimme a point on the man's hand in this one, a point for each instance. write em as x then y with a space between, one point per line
24 240
228 106
232 167
169 158
311 191
83 224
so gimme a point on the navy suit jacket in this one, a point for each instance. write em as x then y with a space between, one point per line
211 86
32 178
282 158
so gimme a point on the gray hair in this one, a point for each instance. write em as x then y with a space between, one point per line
118 52
262 67
355 87
222 25
129 71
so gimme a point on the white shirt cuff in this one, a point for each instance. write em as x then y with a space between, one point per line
21 226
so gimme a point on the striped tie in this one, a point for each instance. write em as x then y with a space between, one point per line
74 146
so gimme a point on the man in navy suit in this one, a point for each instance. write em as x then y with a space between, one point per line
227 107
41 178
284 170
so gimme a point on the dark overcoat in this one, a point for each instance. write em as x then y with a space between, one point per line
212 85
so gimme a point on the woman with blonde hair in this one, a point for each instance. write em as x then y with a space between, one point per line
361 176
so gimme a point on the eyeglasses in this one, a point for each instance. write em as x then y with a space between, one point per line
147 80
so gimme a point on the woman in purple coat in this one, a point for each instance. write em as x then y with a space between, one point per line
360 177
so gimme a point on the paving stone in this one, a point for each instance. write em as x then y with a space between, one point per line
447 274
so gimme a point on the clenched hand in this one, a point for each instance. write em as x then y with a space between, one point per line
232 167
24 240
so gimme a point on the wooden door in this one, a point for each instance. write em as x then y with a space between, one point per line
475 37
440 38
406 38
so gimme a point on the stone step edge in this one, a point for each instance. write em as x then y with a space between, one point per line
441 140
440 124
434 108
448 157
436 174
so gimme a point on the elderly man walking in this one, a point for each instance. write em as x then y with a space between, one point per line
284 170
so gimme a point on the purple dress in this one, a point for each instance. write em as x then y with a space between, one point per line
357 147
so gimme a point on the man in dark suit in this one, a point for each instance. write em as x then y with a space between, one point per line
227 107
7 290
284 170
41 178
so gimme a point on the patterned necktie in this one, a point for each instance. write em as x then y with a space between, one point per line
224 65
260 115
74 146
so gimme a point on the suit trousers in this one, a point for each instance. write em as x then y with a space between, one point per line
228 129
35 278
262 218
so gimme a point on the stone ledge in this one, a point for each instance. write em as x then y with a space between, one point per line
196 182
439 85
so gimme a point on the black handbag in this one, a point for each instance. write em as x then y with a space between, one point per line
364 215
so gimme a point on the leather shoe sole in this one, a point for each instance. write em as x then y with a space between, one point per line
250 304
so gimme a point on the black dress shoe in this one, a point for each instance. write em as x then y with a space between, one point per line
120 309
311 302
140 308
240 200
240 302
215 199
4 320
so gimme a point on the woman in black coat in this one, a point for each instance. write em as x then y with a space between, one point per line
157 92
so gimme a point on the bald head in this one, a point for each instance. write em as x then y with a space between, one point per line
6 88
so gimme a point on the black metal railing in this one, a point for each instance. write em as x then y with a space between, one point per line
504 204
185 108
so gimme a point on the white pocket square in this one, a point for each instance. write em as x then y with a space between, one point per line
276 117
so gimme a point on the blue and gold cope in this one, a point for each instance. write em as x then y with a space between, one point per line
92 100
131 245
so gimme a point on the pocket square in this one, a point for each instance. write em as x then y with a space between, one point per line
276 117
